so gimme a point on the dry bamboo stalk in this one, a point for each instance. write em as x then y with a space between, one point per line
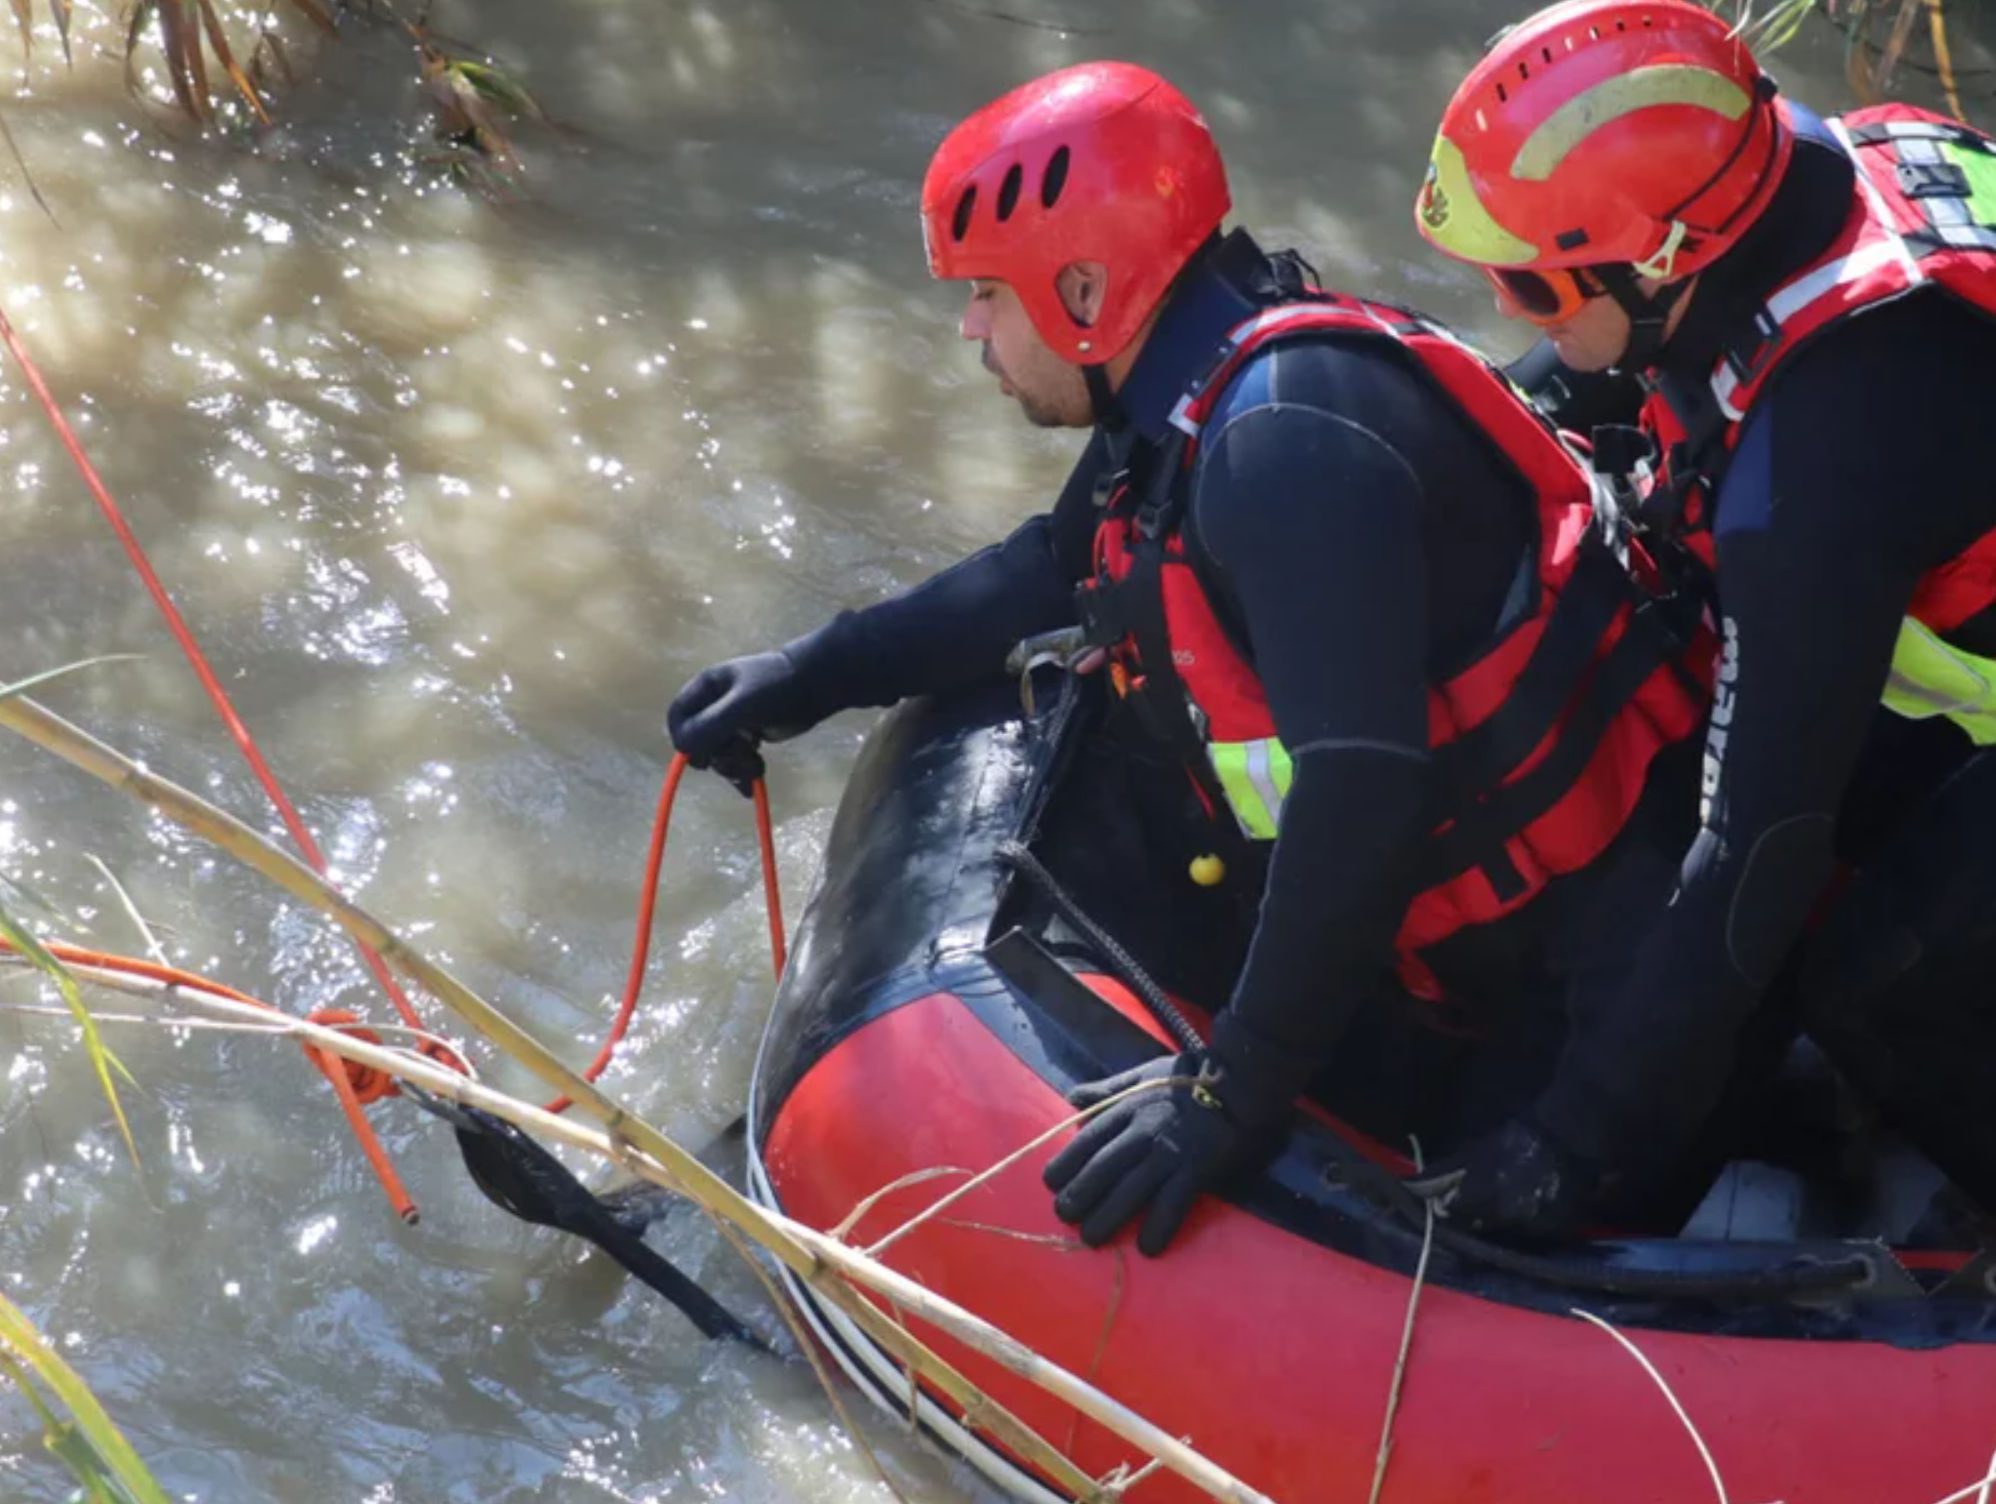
688 1176
77 747
449 1085
803 1250
976 1332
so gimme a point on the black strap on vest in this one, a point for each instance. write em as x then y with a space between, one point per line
1658 631
1133 608
1106 406
1648 313
1696 461
1474 810
1481 758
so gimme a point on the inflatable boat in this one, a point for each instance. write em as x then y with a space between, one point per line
936 1009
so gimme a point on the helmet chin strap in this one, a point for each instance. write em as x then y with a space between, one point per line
1648 313
1102 398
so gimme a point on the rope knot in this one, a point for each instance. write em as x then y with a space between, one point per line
369 1084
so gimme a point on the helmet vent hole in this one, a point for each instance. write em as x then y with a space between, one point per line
1008 192
1546 53
960 223
1524 69
1055 179
1594 33
1502 97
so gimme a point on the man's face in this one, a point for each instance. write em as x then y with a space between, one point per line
1049 390
1592 340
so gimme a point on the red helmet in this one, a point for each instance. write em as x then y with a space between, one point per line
1102 162
1606 132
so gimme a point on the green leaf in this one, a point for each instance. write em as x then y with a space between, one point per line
40 902
101 1058
90 1444
22 686
499 87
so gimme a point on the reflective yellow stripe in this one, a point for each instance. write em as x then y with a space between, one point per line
1255 777
1651 87
1932 678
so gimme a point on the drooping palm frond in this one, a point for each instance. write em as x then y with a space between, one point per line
219 51
189 31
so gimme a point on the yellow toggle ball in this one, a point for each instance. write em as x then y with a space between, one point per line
1208 871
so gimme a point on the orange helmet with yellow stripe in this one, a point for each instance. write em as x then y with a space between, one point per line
1606 133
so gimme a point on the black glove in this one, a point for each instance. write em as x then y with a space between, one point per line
1163 1148
724 711
1515 1181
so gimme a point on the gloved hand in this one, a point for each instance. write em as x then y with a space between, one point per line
1514 1181
1163 1148
724 711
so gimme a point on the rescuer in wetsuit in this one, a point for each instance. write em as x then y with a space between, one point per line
1809 301
1358 537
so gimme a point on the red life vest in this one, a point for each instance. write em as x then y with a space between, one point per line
1922 214
1540 747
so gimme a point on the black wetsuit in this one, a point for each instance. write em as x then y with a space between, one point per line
1359 537
1858 470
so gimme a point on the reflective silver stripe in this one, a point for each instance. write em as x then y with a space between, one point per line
1803 291
1968 237
1862 262
1263 780
1915 130
1880 213
1930 699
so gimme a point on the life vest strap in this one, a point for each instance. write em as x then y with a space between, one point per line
1484 756
1477 838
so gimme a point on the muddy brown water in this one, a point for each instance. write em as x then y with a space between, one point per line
457 495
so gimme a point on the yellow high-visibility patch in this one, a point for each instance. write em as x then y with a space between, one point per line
1453 217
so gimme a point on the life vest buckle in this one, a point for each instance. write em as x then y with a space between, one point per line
1622 460
1104 609
1931 179
1109 487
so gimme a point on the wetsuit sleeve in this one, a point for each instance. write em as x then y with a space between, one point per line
1850 480
1312 522
956 627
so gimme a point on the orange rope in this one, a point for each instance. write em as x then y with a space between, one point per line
353 1083
772 895
634 980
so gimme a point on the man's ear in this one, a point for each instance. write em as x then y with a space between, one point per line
1082 285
